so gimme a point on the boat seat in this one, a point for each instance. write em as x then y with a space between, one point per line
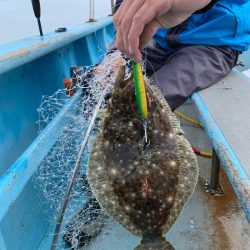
223 109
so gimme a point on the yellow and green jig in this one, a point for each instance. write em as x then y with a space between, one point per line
140 90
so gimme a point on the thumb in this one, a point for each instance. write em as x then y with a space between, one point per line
148 32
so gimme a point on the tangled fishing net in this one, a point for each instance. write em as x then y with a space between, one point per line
56 169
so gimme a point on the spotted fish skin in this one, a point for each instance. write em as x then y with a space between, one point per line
145 190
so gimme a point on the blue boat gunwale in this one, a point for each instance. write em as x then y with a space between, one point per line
233 167
14 179
15 54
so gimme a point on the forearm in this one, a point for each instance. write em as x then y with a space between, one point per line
180 10
188 5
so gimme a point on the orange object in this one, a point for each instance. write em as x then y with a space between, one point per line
68 84
201 153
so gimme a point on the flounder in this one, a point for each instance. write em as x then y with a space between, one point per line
143 188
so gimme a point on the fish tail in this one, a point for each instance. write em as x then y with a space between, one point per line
159 244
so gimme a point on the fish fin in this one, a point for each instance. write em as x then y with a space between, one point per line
161 244
188 178
155 91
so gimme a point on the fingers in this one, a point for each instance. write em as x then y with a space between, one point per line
118 14
119 35
134 26
129 12
119 41
148 32
124 23
143 17
123 20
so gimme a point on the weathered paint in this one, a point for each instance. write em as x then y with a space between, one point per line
18 53
2 244
40 71
14 180
235 171
30 69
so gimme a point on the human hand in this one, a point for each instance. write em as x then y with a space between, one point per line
136 21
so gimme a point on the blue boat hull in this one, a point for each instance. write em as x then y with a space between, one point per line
30 69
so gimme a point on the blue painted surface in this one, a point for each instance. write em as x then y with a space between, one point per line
2 243
25 224
30 69
15 54
16 177
235 171
22 88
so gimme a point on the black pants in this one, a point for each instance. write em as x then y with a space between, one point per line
187 69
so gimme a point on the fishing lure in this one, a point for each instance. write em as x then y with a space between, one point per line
140 90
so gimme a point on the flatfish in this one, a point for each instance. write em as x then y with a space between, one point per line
143 187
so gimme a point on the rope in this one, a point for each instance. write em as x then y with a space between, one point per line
196 150
189 119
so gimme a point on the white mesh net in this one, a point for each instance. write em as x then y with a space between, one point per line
83 218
